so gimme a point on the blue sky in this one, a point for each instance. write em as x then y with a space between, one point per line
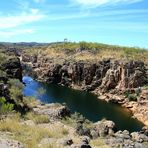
119 22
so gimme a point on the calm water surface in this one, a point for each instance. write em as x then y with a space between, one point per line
83 102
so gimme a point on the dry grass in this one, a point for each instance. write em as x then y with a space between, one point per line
85 56
29 135
53 52
56 130
111 54
51 145
68 52
38 119
98 143
31 101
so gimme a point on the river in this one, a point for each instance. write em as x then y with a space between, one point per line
83 102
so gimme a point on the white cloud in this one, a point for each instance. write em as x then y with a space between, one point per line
12 21
96 3
8 34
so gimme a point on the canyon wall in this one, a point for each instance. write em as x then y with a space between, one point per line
105 75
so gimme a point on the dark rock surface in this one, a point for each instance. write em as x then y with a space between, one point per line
12 67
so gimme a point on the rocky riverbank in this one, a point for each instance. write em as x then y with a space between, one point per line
71 131
117 81
105 130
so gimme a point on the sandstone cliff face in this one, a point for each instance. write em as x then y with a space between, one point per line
105 75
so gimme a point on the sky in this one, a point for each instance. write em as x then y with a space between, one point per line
117 22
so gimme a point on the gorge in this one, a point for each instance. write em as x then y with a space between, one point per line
110 96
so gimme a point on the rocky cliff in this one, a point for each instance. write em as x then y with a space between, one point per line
10 83
106 74
12 67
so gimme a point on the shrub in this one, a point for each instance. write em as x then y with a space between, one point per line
76 117
126 93
30 101
132 97
3 57
5 107
138 91
2 73
16 88
15 83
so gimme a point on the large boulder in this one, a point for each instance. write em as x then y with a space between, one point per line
54 111
104 128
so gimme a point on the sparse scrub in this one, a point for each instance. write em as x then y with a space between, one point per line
28 135
3 57
31 101
38 119
16 88
74 118
95 51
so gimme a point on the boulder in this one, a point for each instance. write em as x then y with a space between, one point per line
122 134
66 141
8 143
139 137
104 127
53 111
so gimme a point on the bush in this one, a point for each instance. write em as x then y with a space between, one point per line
132 97
16 83
2 73
31 102
16 88
138 92
5 107
126 93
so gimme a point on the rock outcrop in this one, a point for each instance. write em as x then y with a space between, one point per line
12 67
8 143
53 111
105 75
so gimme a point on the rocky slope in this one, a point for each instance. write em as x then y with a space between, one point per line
68 132
117 81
